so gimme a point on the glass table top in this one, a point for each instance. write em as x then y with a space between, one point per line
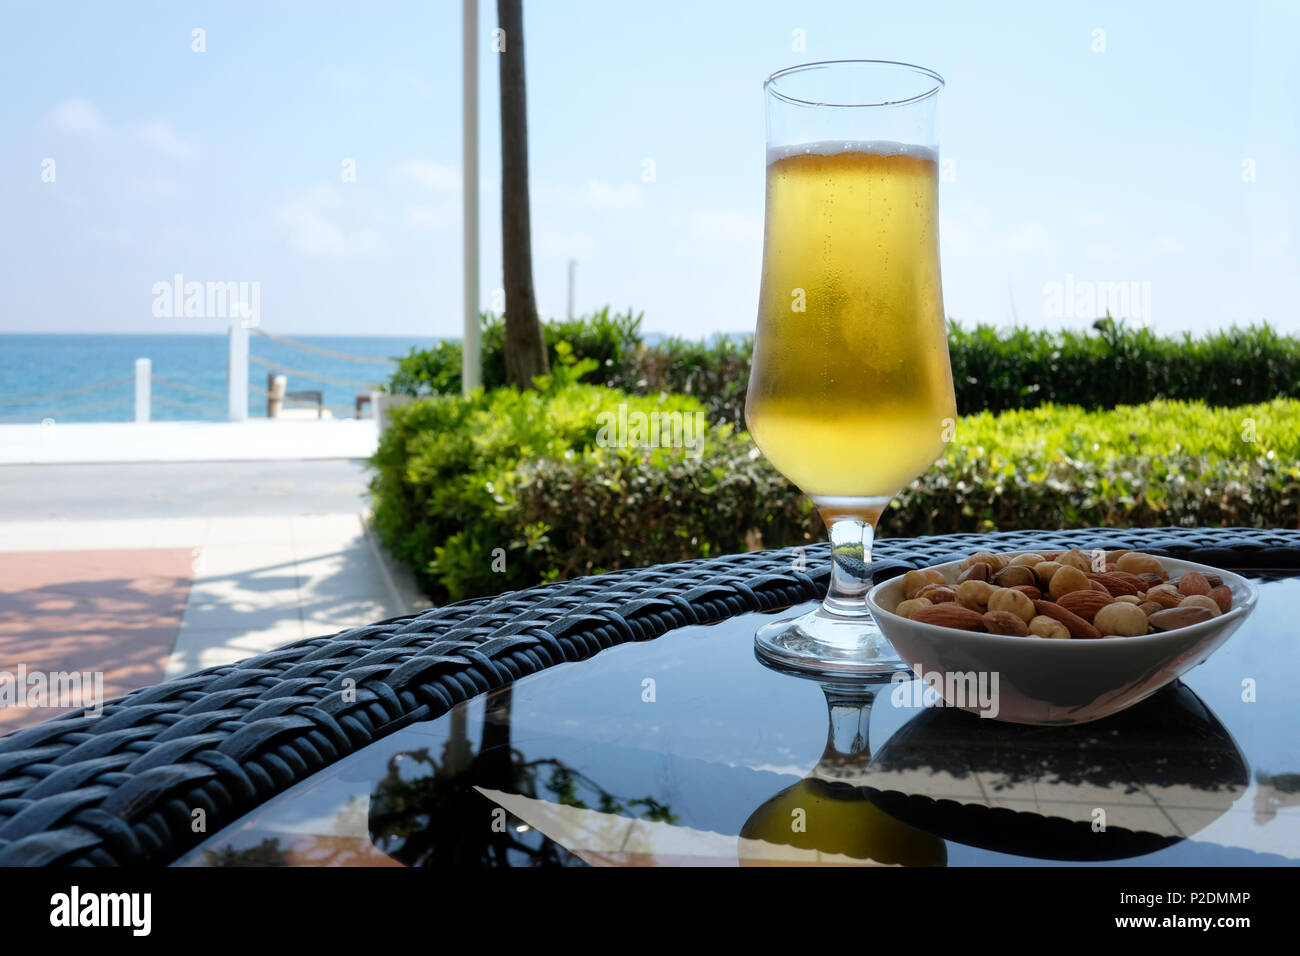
686 750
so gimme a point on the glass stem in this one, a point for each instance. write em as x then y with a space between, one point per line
850 722
851 540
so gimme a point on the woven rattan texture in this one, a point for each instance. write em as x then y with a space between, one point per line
122 788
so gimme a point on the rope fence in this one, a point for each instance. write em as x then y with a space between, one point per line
292 343
219 396
27 417
189 407
66 392
352 383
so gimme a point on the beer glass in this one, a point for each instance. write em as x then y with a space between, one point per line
850 393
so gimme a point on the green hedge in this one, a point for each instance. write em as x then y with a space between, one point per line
608 340
1116 364
458 478
994 370
1162 463
453 484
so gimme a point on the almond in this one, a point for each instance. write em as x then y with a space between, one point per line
1028 590
1004 622
1166 595
1086 604
1175 617
950 614
1150 607
1193 582
937 593
1139 583
1077 626
1222 597
1115 584
1013 575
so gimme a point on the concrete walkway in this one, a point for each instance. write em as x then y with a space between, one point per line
253 440
93 577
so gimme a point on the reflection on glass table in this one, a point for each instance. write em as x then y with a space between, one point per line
686 750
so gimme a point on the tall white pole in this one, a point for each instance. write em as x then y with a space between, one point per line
573 267
143 376
238 372
471 359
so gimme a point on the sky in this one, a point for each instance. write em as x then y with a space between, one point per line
1153 145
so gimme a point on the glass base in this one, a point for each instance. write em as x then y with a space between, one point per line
820 642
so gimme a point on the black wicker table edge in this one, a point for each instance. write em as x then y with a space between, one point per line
126 787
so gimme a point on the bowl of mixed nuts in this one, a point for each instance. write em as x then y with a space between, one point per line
1058 637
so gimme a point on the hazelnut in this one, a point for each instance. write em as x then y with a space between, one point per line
1122 620
909 607
974 595
1074 558
1202 600
913 581
1045 570
1135 562
1044 626
1066 579
1019 604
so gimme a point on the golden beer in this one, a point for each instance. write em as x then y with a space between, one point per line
850 394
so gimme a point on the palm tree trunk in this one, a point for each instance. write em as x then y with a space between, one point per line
525 346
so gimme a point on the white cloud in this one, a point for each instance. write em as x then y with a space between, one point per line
1166 245
431 175
78 116
955 237
434 215
1030 237
721 224
601 195
313 233
566 245
161 137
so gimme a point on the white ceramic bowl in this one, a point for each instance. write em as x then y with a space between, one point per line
1035 680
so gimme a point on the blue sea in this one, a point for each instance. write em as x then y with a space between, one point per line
37 372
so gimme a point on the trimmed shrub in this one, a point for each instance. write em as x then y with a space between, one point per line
448 474
461 483
604 338
1118 365
993 370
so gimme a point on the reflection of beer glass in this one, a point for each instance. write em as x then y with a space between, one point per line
850 394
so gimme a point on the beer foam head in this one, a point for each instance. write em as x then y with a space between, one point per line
835 147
